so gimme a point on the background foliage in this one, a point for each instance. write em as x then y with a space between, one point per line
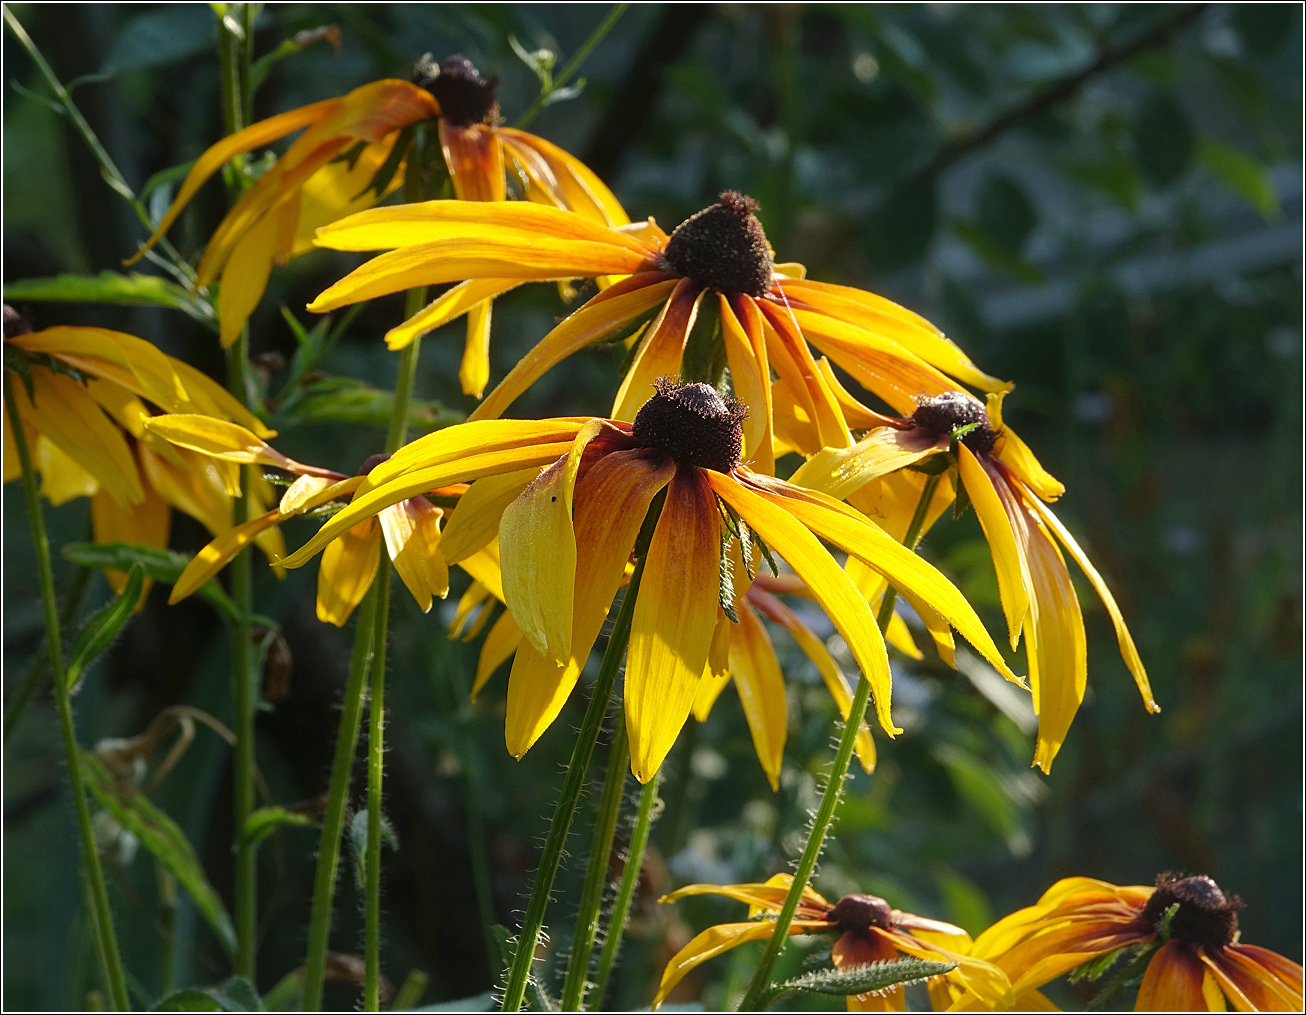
1100 202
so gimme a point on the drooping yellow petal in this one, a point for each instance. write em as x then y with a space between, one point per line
537 546
675 614
619 305
472 438
123 359
412 539
793 362
474 372
192 487
1013 579
660 350
611 502
348 566
474 523
502 641
214 557
246 277
761 688
62 479
309 492
583 192
750 374
146 524
448 306
1016 455
221 439
341 188
475 160
842 471
1123 638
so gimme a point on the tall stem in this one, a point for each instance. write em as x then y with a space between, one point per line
626 890
565 810
98 895
333 820
573 65
596 874
833 788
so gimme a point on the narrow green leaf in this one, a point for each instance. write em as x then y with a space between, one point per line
164 177
166 842
98 633
235 994
358 839
1240 173
266 820
163 566
135 290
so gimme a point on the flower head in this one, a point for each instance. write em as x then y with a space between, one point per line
566 538
1185 927
1009 489
868 931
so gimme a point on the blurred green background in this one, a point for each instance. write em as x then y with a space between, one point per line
1102 203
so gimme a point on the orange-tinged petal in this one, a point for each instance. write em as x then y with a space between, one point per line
1123 638
412 539
660 350
1173 981
761 688
803 372
147 524
611 502
349 564
338 189
453 303
844 605
472 438
62 479
246 277
474 372
1014 580
584 192
537 545
221 439
591 322
502 641
475 160
750 374
214 557
852 950
474 523
675 614
842 471
1249 984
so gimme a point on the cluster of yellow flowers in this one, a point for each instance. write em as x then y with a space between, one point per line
546 515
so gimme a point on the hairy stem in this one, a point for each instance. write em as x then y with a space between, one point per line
93 873
572 65
833 788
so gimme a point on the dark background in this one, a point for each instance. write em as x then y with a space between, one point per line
1102 203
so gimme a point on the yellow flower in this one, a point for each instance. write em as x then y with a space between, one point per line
410 528
767 314
85 399
561 572
869 930
328 173
1008 489
1200 964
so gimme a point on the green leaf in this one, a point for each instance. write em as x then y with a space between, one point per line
98 633
859 979
346 400
163 566
235 994
166 842
188 1000
976 783
266 820
134 290
481 1002
1164 140
358 839
1242 174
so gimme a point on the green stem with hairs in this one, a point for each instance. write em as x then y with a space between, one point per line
565 810
97 893
834 787
648 797
572 65
596 874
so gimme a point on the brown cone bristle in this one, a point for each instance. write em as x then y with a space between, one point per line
372 462
464 96
1206 916
854 913
15 323
693 424
944 413
723 247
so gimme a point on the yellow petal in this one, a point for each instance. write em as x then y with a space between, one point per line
62 479
898 634
474 523
475 160
246 277
145 524
338 189
614 307
712 942
412 539
793 362
123 359
660 351
842 471
502 641
451 304
474 373
583 192
474 438
611 502
193 487
1013 580
214 557
349 564
305 492
483 565
219 438
761 688
537 546
750 375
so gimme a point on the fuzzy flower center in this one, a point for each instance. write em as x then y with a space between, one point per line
723 247
371 463
464 96
943 414
693 424
15 323
1206 916
858 913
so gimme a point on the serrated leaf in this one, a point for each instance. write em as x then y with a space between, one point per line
266 820
163 566
860 979
135 290
98 633
165 841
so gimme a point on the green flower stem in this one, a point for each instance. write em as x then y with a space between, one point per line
834 787
626 890
333 820
596 874
565 810
573 65
98 895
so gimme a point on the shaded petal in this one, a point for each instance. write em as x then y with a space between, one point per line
451 304
675 614
474 523
582 190
341 188
348 566
1014 581
502 641
194 488
1173 981
660 350
1246 975
246 276
214 557
474 371
475 160
841 471
412 539
711 943
146 523
793 362
62 479
761 688
852 950
750 374
123 359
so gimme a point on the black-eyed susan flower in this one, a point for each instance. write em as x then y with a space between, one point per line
1185 928
329 172
566 539
85 399
767 315
869 931
1009 490
410 529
